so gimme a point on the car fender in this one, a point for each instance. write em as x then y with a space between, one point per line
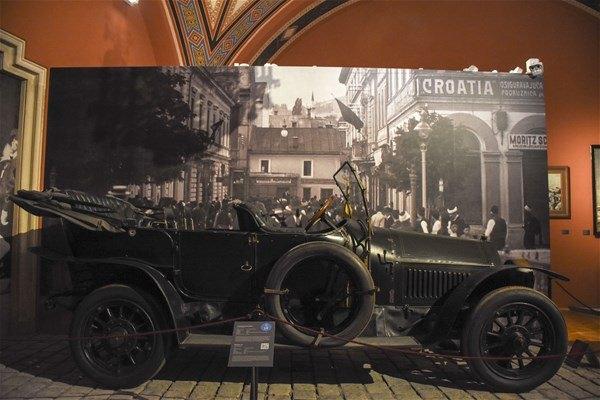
170 297
476 286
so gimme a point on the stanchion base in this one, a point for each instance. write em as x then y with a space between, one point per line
579 350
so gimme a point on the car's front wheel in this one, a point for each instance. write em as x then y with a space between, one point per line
517 338
111 341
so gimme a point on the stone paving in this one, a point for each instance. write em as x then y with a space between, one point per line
42 368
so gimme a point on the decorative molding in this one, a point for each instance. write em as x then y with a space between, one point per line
173 30
31 125
29 175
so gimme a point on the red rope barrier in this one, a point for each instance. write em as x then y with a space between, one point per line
421 352
141 334
318 335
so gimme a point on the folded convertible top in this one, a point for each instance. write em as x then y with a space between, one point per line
100 213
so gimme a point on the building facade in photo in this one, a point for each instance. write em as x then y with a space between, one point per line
365 87
210 101
299 164
504 116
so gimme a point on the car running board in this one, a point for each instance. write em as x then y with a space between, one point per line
209 340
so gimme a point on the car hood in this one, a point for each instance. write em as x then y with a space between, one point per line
396 246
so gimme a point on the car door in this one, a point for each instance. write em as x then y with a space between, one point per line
270 246
216 264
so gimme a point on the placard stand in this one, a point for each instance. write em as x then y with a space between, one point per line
253 384
252 346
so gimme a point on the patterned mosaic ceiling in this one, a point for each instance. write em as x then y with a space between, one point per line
212 31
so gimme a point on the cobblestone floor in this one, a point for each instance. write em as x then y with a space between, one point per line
43 369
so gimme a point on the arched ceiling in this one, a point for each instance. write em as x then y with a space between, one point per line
212 32
222 32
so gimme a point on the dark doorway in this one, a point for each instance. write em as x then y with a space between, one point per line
306 193
535 182
325 193
282 191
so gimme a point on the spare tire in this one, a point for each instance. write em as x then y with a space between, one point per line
323 287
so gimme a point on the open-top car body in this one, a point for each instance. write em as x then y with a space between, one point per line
133 272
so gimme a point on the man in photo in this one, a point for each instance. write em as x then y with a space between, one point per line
296 220
378 219
421 224
496 230
457 226
403 222
437 222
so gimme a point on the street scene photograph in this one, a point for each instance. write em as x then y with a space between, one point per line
450 153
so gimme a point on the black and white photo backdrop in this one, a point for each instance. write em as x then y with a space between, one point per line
459 150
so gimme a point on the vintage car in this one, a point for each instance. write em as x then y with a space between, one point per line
133 272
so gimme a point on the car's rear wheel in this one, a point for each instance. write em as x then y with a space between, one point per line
521 337
112 343
322 286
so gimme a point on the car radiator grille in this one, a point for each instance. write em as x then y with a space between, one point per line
430 284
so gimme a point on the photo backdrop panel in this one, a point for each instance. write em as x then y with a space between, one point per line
458 144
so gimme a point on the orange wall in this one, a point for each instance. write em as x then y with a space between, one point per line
91 32
411 34
491 35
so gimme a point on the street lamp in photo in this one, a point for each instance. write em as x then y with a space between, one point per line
284 131
423 129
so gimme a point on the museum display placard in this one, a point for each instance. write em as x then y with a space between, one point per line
253 344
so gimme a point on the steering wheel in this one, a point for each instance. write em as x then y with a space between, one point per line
320 212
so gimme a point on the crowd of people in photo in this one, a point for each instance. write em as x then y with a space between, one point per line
449 222
286 211
292 212
446 222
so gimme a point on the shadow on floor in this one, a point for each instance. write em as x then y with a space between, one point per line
45 357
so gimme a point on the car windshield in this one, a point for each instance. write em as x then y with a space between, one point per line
353 190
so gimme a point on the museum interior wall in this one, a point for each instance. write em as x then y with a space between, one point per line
407 34
91 33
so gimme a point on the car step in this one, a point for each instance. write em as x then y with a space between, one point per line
209 340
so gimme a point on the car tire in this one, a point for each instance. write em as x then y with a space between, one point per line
145 311
353 267
492 329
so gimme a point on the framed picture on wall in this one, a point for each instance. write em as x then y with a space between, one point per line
559 194
596 187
